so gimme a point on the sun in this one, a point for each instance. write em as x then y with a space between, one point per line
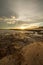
22 27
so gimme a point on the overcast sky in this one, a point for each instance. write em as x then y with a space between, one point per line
16 13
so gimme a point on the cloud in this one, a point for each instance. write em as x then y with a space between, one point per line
18 12
7 20
21 20
28 26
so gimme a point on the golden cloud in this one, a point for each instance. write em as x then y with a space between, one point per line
10 20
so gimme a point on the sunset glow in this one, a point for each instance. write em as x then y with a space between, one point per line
22 27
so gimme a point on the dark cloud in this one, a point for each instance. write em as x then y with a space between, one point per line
13 7
22 10
5 8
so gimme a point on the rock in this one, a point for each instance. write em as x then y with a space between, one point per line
33 54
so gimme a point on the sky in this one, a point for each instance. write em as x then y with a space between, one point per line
21 13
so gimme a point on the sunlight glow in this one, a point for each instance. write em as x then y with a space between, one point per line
29 26
22 27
